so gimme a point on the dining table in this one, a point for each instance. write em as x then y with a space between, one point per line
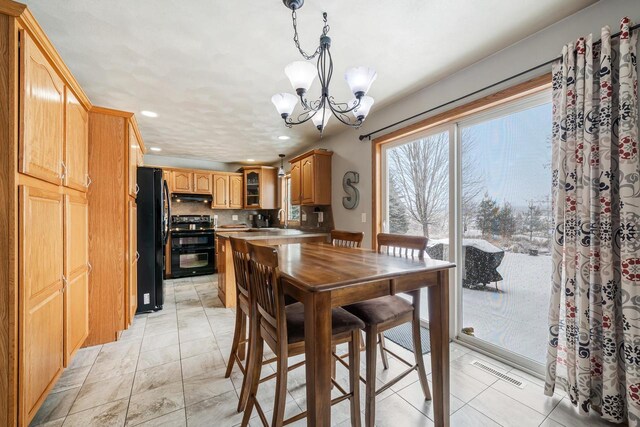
322 277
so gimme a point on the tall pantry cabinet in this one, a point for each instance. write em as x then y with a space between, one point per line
56 167
44 179
115 152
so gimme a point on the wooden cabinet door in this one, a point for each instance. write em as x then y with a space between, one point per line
182 182
41 282
76 270
41 115
220 191
202 183
308 180
76 148
133 162
235 191
296 181
132 299
252 188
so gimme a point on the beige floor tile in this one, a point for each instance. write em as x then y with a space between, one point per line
85 357
394 411
174 419
505 410
463 386
112 367
101 392
155 403
108 415
71 378
56 406
567 415
221 408
199 346
202 364
157 376
414 395
154 342
160 356
530 394
197 389
469 417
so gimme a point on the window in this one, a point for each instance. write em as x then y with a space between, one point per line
477 182
291 211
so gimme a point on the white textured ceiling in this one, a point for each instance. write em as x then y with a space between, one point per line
210 67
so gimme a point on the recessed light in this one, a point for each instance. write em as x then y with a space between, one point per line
251 160
284 137
148 113
155 149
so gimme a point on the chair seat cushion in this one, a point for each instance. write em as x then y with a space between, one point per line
341 321
380 310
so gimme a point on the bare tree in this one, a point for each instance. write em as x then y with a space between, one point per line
420 170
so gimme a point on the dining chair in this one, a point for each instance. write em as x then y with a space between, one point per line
383 313
346 239
281 327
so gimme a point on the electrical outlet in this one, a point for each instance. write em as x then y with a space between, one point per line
250 217
364 217
234 217
215 217
304 216
320 216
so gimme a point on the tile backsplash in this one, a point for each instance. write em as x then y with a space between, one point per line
225 216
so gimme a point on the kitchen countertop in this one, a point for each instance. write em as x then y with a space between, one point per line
274 233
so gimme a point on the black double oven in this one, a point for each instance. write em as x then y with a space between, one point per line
193 250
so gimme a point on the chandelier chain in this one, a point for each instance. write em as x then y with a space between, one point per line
296 40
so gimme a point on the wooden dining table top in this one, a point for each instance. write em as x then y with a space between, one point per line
318 267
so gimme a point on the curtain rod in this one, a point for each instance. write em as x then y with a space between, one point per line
515 76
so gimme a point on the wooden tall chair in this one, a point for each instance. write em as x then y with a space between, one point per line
282 328
240 256
346 239
383 313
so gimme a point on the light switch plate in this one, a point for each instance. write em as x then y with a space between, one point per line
234 217
364 217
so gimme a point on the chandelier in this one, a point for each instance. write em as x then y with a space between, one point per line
301 74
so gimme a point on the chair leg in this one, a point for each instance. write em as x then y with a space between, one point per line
281 385
370 376
417 349
383 353
255 380
334 350
236 339
354 377
249 366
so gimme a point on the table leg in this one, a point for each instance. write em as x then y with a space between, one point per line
439 330
317 330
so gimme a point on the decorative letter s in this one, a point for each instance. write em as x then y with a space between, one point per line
351 201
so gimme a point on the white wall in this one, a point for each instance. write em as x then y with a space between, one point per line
351 154
176 162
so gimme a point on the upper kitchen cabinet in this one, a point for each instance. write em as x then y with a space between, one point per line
181 181
76 143
260 187
311 178
41 115
235 191
220 191
202 183
136 152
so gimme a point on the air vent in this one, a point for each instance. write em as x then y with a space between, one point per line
496 373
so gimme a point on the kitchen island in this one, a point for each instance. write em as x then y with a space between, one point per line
226 275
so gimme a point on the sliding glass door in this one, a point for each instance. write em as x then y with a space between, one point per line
490 175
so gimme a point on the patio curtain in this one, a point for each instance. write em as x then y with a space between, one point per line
594 315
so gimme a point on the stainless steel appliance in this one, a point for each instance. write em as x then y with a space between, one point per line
154 211
192 245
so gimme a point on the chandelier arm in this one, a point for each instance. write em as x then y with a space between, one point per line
296 40
339 115
337 105
290 122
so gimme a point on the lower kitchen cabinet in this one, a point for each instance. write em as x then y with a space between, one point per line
133 261
41 288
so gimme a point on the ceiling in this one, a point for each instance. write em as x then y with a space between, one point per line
209 68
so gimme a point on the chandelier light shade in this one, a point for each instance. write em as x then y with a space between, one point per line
301 74
362 111
285 103
360 79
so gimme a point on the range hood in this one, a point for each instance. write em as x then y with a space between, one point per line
198 198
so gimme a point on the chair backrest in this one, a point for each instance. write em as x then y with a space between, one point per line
265 284
402 245
240 256
346 239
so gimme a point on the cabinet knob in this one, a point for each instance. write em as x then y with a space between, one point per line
137 255
137 189
63 175
88 180
90 267
65 282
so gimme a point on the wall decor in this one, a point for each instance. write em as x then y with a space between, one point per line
351 201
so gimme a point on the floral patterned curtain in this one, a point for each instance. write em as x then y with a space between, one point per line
594 315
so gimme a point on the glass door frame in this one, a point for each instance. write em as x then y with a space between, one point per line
509 357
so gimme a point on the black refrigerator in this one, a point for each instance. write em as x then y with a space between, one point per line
154 211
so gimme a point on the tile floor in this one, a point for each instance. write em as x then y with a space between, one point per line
168 370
